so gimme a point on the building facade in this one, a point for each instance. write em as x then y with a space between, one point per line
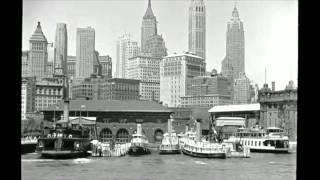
51 60
148 27
279 109
61 47
38 56
242 90
99 88
208 91
28 90
71 67
49 91
126 48
106 66
85 52
197 28
235 47
147 70
25 71
176 73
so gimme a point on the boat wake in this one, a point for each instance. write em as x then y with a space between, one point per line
81 160
200 162
36 160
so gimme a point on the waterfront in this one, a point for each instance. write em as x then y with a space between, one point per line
259 166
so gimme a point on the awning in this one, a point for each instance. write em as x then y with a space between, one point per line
235 108
77 120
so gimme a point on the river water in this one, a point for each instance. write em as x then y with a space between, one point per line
154 166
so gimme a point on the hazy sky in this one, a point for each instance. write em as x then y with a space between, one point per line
271 29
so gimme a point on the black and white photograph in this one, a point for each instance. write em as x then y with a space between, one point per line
159 89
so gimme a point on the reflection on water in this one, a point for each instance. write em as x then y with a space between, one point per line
155 166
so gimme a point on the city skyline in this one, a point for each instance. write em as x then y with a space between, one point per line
270 30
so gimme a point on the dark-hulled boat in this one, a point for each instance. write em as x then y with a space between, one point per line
64 143
139 143
28 145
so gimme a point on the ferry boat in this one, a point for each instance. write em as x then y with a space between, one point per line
271 139
139 143
170 141
202 149
64 143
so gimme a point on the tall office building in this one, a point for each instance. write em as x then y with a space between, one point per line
38 56
148 27
197 28
242 90
24 64
28 90
85 52
71 66
176 73
208 91
147 70
126 48
61 47
235 44
106 66
51 57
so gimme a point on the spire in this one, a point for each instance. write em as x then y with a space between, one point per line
149 13
38 34
235 13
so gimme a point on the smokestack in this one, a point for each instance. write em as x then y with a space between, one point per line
187 128
198 133
169 126
273 86
66 111
139 129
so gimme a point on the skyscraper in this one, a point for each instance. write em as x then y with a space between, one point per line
85 52
50 62
241 90
148 27
176 73
126 48
235 44
197 28
38 53
61 47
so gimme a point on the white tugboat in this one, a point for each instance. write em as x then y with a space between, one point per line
203 149
170 141
139 143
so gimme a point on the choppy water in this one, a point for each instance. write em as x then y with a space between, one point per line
259 166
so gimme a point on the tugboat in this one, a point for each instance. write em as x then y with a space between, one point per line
203 149
271 139
139 143
64 142
170 141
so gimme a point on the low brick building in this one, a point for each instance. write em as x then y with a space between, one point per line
117 119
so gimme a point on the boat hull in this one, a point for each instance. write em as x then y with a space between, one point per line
170 151
28 148
63 154
269 150
138 150
205 155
